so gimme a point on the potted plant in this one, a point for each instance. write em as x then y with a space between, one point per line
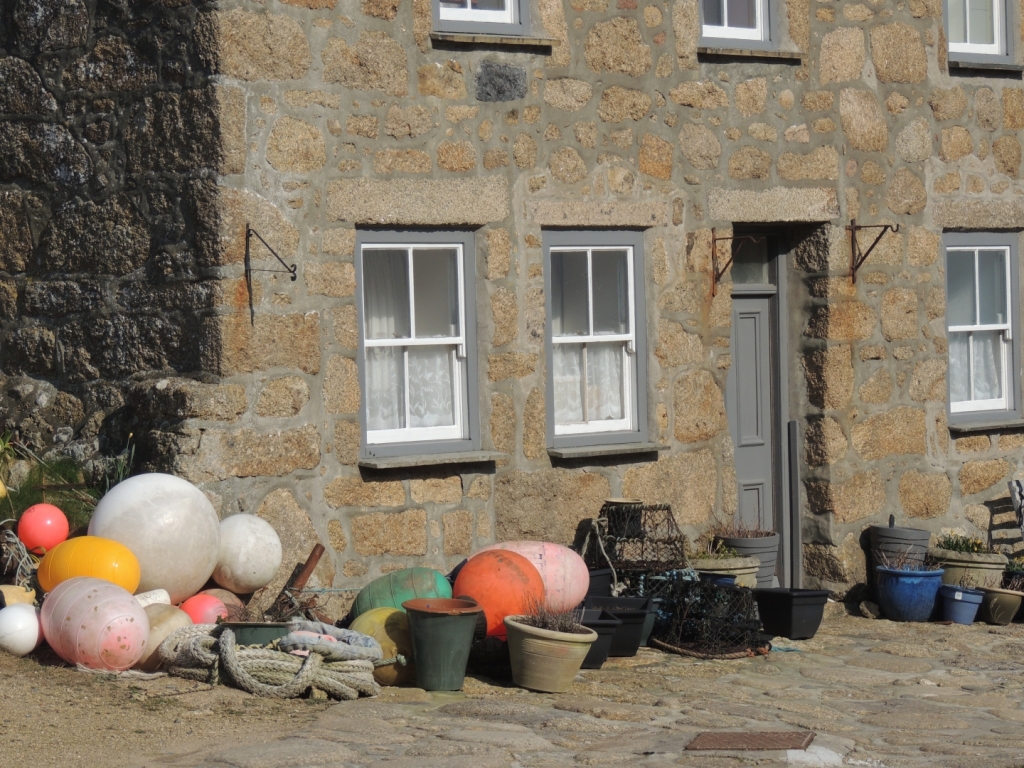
710 556
547 648
752 542
888 541
999 606
960 602
792 613
906 590
968 561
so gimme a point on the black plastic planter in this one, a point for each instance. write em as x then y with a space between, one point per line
792 613
632 612
600 583
605 625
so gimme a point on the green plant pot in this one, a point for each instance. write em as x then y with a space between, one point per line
979 570
442 634
256 632
999 606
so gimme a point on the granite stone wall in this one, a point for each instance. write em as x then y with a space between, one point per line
309 118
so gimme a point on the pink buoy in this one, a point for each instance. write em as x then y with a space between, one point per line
231 601
95 623
204 609
42 527
564 573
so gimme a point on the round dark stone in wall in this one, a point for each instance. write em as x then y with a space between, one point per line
500 82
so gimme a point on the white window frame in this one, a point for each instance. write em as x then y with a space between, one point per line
726 32
468 15
457 353
628 341
1006 401
997 48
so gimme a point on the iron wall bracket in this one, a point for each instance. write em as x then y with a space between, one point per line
716 273
857 258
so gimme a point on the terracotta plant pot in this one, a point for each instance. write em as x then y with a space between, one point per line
968 569
543 660
743 568
999 606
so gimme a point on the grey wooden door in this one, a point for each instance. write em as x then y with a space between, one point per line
750 393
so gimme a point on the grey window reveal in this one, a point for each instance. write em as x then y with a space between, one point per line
596 338
484 17
982 325
417 361
980 31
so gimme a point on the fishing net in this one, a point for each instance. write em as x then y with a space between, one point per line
710 621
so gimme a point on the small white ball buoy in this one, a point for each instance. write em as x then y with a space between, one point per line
20 630
250 554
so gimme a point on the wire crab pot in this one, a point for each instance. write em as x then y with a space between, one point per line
629 535
712 622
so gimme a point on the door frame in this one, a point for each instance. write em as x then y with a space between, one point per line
785 478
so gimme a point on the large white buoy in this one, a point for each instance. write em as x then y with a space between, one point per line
20 631
250 554
169 525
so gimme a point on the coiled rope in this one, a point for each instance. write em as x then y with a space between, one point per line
208 653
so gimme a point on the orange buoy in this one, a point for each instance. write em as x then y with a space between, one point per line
90 556
204 609
503 584
565 574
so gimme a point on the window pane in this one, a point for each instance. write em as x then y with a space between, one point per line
959 367
431 396
456 4
958 21
742 13
488 5
988 365
960 304
567 373
714 13
981 26
385 383
992 286
570 313
611 291
750 262
604 382
435 276
386 293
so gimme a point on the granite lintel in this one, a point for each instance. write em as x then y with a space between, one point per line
779 204
612 213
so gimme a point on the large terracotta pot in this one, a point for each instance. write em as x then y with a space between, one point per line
543 660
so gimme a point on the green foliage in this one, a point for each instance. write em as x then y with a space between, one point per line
76 503
1016 565
956 542
706 547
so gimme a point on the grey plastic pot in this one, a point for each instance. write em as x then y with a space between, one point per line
764 548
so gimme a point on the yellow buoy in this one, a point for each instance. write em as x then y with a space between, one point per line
390 628
90 556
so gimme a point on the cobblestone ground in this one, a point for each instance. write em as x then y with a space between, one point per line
876 693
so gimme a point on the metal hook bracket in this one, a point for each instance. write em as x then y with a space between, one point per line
717 273
857 258
249 233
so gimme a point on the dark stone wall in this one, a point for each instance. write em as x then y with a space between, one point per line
108 136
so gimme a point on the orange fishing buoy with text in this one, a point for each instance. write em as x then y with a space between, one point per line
503 584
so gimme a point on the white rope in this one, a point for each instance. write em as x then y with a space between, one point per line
14 551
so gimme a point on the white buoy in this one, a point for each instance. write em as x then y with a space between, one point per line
169 525
250 554
20 630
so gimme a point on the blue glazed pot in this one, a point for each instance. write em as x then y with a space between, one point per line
907 595
960 605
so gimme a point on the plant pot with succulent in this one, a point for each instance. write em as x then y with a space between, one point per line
968 562
752 542
547 648
906 591
710 556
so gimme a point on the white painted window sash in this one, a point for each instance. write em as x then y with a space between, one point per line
739 33
456 354
506 16
997 48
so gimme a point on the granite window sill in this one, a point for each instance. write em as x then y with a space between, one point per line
986 426
983 66
432 460
487 39
593 451
794 57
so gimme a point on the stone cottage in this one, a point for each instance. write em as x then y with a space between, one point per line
758 259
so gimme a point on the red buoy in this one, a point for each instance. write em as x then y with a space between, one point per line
503 584
42 527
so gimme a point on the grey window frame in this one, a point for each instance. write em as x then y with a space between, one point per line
520 28
472 442
595 238
1002 240
1009 57
771 25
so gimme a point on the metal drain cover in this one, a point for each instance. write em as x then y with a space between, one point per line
759 740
